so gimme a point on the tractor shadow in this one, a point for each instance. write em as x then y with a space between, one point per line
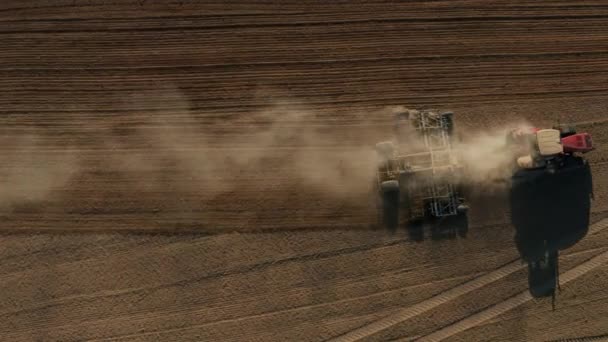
550 212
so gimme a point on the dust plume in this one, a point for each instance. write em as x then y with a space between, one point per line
484 154
276 148
282 147
295 147
30 171
167 147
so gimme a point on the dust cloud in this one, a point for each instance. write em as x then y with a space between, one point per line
287 147
282 148
278 148
487 161
30 171
485 156
176 150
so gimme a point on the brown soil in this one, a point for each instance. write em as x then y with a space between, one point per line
117 222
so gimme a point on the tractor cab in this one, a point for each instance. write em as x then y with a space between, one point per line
549 142
545 144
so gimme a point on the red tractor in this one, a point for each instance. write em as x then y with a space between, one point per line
548 148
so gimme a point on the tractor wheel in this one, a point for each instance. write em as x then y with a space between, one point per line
448 118
385 150
463 225
406 182
462 220
389 192
402 127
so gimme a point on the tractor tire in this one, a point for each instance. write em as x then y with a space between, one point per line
462 220
390 194
448 118
402 116
402 127
405 182
463 225
385 150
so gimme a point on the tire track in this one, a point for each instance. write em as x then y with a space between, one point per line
256 316
444 297
429 304
512 302
584 339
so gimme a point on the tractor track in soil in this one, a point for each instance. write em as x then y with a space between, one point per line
602 338
484 280
513 302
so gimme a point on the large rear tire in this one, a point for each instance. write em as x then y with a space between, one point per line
385 150
448 118
462 224
389 192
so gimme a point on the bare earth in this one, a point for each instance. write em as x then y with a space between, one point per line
118 223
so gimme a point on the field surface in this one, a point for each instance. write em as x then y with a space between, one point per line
198 171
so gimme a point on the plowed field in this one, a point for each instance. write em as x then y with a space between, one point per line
199 171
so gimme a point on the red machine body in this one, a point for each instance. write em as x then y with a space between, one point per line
580 142
547 148
571 141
